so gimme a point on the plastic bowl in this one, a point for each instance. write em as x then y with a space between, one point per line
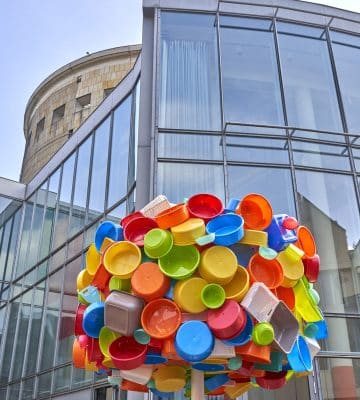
286 295
312 268
263 334
228 229
187 295
181 262
218 265
254 353
78 354
186 233
116 283
256 211
121 259
267 271
213 295
136 229
93 319
237 288
106 337
79 319
107 229
272 380
126 353
245 335
205 206
299 357
169 378
306 241
148 282
172 216
157 243
92 260
130 217
83 280
161 318
194 341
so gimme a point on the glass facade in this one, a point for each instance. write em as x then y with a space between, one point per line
245 101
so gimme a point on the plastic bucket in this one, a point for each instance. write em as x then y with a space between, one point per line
256 211
93 319
181 262
227 228
194 341
130 217
227 321
263 333
306 241
187 232
136 229
266 271
218 265
213 295
187 295
252 352
78 354
107 229
237 288
292 269
169 378
122 312
312 268
79 319
126 353
157 243
83 280
286 295
205 206
245 336
299 357
148 282
92 260
254 238
106 337
161 318
121 259
172 216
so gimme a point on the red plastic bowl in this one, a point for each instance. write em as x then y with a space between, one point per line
130 217
135 230
79 319
126 353
272 380
312 268
94 352
205 206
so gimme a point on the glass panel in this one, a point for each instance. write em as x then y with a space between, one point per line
68 311
99 167
196 146
22 334
327 205
247 149
14 391
28 389
57 259
274 183
120 152
9 341
81 377
347 61
189 82
44 385
75 246
4 247
21 263
35 329
340 378
62 378
12 246
77 219
250 74
308 81
118 213
311 154
61 225
178 181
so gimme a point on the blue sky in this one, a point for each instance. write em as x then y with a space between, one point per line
39 36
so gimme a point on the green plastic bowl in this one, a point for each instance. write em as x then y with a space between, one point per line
213 295
158 243
263 334
181 262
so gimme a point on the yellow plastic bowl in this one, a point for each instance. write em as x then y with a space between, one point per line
293 269
255 238
106 337
92 260
169 378
237 288
186 233
121 259
187 295
83 280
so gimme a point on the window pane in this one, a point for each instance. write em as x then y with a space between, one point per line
347 61
274 183
178 181
196 146
12 246
328 206
98 172
81 185
14 391
189 83
28 389
21 263
308 81
44 385
247 149
120 152
250 74
62 378
61 225
4 247
340 378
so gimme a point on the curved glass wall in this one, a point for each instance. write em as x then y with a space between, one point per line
289 111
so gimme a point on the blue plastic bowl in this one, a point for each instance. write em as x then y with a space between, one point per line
194 341
322 332
162 395
110 230
93 319
154 358
299 357
215 382
228 229
245 336
208 367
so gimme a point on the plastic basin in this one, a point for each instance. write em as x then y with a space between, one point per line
312 268
187 295
187 232
126 353
106 337
306 241
180 262
78 354
263 333
300 358
92 260
157 243
272 380
79 319
83 280
213 295
266 271
93 319
107 229
244 336
286 295
237 288
205 206
254 238
254 353
256 211
228 229
169 378
121 259
136 229
172 216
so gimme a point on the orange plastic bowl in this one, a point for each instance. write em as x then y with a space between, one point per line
306 241
78 354
172 216
161 318
267 271
287 295
256 211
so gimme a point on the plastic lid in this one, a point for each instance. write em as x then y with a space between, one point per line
194 341
234 363
213 295
263 333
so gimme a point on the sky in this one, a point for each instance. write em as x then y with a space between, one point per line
39 36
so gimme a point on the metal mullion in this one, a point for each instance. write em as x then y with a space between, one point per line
92 135
338 354
43 218
131 148
72 192
57 205
109 156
